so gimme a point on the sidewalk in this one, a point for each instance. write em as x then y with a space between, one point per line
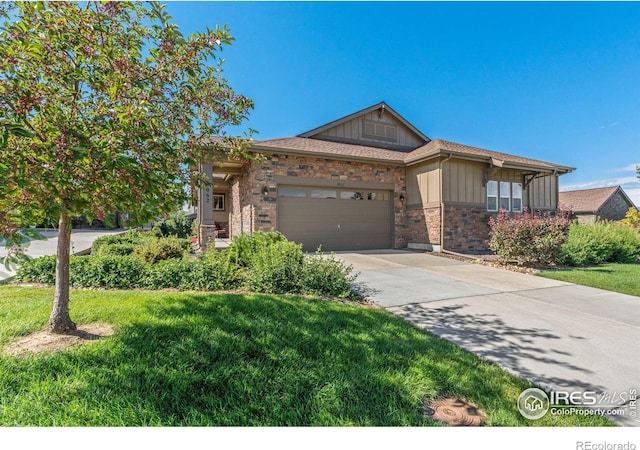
81 241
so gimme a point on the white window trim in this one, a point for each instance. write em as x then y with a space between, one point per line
499 196
513 197
493 196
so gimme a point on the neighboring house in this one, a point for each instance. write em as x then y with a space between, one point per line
371 180
591 205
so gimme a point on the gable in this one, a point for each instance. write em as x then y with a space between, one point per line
376 126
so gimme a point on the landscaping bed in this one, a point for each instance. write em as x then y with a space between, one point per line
262 262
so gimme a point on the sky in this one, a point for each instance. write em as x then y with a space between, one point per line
559 82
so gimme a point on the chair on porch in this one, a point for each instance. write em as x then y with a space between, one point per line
221 231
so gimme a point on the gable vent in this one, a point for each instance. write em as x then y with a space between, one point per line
380 130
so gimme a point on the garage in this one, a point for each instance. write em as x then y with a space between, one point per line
336 218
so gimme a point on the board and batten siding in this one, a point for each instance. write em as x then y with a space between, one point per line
423 184
352 131
462 183
544 192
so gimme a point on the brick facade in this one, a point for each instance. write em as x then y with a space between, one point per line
466 228
423 225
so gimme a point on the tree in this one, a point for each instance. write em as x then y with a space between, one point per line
111 96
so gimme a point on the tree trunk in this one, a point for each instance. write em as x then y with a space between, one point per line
60 321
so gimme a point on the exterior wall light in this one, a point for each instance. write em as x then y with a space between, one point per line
401 197
265 191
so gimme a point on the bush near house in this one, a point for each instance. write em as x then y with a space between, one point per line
178 225
262 262
600 243
527 238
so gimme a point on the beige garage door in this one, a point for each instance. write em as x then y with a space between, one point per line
336 219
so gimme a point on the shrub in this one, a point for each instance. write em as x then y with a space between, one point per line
112 272
109 271
326 276
116 249
214 270
178 225
599 243
526 238
160 250
243 247
132 237
170 273
276 268
38 270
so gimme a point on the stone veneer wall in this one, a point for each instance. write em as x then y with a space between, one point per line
259 212
466 228
423 225
241 211
614 209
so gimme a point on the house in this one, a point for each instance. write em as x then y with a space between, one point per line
372 180
591 205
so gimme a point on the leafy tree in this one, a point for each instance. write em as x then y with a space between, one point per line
116 105
632 218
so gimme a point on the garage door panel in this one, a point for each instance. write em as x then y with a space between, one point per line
336 224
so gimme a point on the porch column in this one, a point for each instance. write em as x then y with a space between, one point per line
206 225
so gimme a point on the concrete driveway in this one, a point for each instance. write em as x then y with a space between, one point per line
559 335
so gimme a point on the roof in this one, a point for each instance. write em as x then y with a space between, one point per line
364 111
330 149
589 200
499 159
309 143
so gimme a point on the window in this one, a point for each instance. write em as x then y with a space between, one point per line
505 195
492 196
218 202
292 192
351 195
516 195
322 193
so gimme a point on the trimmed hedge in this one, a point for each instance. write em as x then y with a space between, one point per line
264 262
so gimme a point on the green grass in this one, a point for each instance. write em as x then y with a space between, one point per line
623 278
194 359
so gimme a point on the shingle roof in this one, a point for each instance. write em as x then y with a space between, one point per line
330 149
586 200
433 148
439 145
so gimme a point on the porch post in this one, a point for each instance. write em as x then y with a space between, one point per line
206 225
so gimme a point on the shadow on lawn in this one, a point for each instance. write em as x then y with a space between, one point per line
260 360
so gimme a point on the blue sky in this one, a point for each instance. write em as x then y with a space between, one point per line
553 81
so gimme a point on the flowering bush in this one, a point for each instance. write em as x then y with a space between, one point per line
528 238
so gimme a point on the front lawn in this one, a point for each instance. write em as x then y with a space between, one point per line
623 278
211 359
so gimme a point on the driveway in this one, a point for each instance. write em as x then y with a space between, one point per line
559 335
81 241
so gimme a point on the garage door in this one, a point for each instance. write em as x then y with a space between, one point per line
336 219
